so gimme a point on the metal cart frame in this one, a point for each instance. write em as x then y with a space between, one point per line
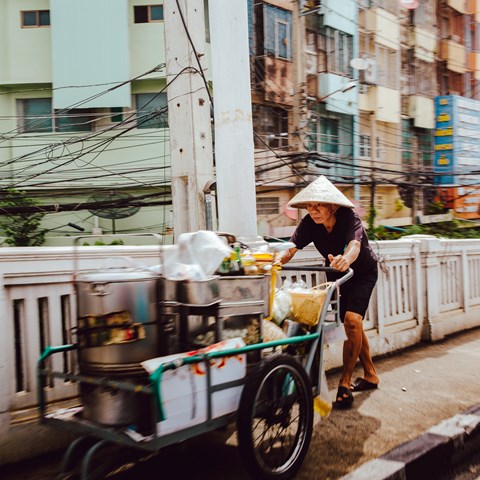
285 380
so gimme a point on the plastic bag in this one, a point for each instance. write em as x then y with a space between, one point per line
282 303
196 257
307 303
322 403
271 331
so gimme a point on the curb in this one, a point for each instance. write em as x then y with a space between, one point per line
428 455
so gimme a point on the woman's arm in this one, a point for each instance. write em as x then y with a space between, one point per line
343 262
288 255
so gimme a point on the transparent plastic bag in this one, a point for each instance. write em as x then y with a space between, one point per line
196 256
322 403
282 303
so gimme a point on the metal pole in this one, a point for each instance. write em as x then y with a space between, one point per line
234 150
188 112
297 129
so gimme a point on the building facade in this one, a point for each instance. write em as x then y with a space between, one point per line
347 89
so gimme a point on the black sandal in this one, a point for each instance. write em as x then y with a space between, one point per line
344 398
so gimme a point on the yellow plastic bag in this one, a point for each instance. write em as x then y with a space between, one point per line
307 303
322 403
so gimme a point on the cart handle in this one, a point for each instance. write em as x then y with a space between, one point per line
51 350
310 268
156 376
41 374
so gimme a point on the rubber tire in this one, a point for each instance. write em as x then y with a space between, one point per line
255 383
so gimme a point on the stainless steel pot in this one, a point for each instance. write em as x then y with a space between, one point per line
116 407
112 304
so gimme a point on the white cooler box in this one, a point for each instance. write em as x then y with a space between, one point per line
184 390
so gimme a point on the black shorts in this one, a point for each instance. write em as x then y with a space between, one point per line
355 293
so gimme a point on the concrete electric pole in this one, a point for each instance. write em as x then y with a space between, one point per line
299 110
188 113
234 149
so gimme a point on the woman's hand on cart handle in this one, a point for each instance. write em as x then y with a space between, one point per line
338 262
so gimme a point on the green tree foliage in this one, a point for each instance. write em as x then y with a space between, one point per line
452 229
21 229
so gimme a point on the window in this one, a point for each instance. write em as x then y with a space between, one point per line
364 148
323 134
116 114
147 13
35 115
74 121
425 147
387 67
35 18
268 205
271 126
277 32
281 39
152 110
329 135
335 51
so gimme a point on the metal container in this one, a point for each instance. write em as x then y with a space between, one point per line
110 303
244 290
115 407
199 292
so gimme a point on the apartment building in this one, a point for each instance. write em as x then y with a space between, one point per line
83 115
382 142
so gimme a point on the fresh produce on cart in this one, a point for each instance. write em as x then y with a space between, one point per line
162 358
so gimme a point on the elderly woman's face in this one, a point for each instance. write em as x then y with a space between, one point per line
320 212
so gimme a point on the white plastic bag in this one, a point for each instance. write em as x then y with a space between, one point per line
196 257
282 303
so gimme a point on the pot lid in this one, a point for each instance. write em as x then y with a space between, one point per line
116 275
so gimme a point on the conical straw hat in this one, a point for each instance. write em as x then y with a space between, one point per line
320 191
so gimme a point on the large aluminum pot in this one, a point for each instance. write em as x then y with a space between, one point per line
117 317
112 406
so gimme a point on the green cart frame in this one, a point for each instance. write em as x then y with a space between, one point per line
275 416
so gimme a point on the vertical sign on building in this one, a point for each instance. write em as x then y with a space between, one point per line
443 165
457 153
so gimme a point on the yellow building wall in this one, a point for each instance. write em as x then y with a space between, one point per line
422 110
385 26
458 5
425 43
27 57
388 104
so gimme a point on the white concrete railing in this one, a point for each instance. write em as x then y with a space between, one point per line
427 288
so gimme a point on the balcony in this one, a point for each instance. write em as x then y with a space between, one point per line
384 26
273 79
454 54
422 111
384 102
461 6
424 43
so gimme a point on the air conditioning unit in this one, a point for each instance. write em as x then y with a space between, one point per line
310 63
369 73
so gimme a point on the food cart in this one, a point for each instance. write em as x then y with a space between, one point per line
160 361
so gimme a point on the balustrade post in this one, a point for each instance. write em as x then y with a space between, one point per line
429 250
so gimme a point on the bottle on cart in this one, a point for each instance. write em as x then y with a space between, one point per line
236 261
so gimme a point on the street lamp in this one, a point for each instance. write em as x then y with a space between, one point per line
348 86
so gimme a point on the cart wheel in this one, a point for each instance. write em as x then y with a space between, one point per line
275 418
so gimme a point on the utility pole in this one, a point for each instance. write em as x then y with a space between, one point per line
299 121
234 149
188 113
373 153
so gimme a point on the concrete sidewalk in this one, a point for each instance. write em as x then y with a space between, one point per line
422 418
